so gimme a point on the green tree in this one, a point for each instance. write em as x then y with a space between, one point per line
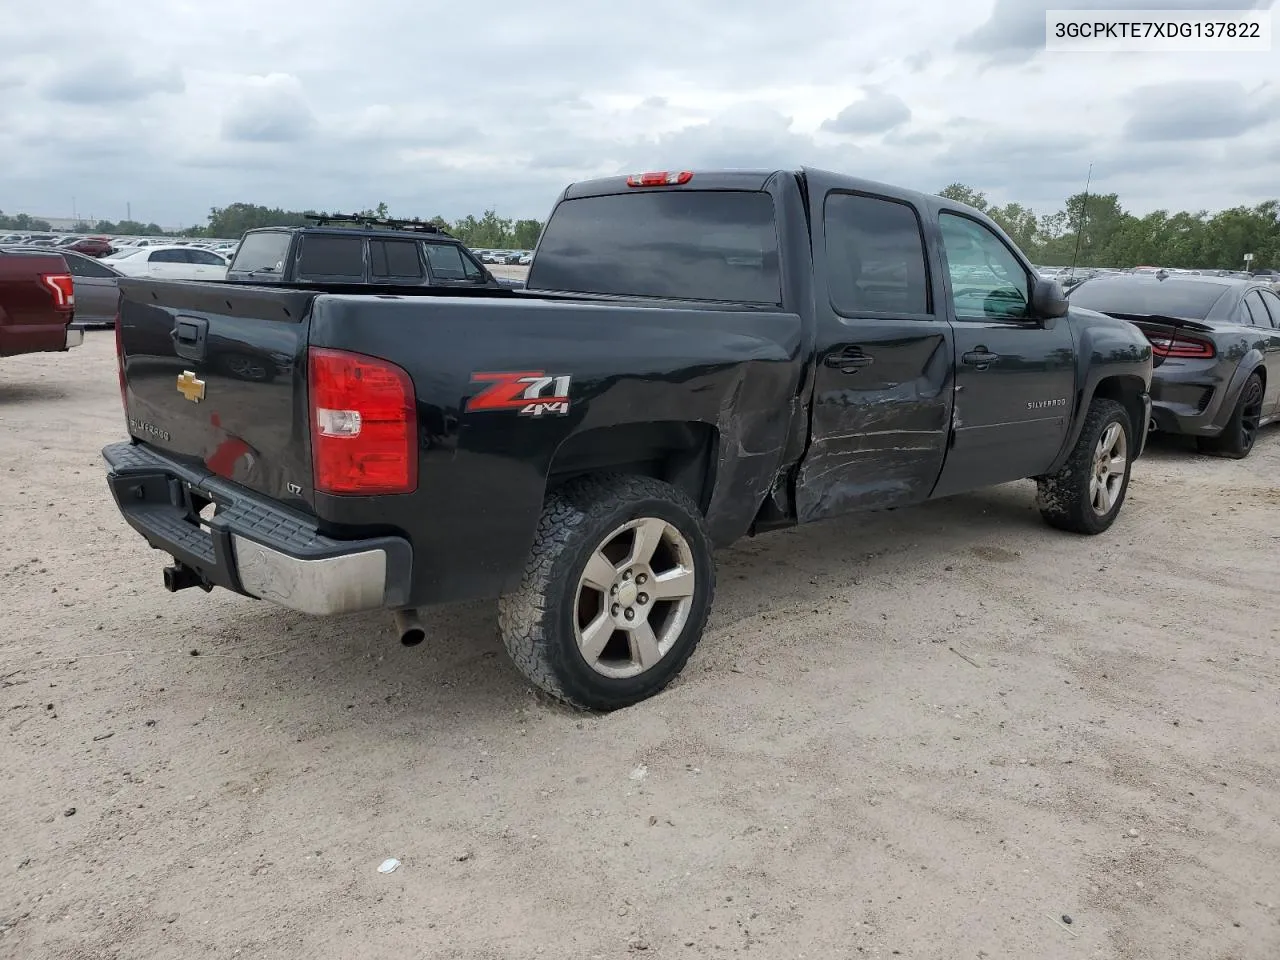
963 194
1019 222
233 220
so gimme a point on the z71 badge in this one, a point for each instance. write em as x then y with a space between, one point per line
530 393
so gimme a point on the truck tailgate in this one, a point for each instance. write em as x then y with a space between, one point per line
215 376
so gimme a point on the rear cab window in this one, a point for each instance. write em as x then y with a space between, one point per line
718 246
331 258
262 253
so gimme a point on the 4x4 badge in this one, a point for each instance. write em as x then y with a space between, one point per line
531 393
191 386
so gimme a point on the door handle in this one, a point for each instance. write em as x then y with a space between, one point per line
849 361
980 357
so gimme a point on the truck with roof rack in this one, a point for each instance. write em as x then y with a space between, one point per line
697 357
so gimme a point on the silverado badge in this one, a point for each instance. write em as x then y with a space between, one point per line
190 386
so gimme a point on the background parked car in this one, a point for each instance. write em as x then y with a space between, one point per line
170 263
92 246
1216 346
97 289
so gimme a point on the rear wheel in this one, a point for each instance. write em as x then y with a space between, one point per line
1241 432
1086 495
615 595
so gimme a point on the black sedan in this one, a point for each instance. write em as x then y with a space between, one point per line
1216 346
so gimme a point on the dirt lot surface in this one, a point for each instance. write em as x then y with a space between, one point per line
930 733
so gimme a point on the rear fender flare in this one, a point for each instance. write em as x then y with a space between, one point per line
1251 363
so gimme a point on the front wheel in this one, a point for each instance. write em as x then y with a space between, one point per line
616 592
1086 495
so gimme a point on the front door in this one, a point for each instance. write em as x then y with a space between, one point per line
882 387
1015 384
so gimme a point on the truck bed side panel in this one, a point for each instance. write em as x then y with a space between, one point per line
483 473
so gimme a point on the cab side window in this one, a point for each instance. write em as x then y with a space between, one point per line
987 281
875 256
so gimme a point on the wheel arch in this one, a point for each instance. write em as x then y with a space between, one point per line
1127 389
683 453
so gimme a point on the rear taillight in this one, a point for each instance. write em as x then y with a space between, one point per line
124 389
63 288
363 424
659 179
1181 346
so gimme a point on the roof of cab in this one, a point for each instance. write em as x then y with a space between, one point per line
758 179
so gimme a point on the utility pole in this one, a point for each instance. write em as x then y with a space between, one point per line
128 210
74 215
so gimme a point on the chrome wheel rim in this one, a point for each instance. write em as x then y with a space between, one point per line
1251 413
634 597
1110 461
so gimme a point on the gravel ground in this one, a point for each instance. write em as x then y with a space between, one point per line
928 733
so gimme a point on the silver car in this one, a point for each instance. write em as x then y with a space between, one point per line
96 287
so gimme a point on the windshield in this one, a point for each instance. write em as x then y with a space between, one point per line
1181 299
676 244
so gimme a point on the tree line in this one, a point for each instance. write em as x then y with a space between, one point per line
1110 237
23 222
488 231
1113 237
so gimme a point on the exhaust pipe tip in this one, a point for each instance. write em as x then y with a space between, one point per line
410 628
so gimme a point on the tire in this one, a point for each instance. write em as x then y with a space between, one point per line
1241 432
562 632
1070 499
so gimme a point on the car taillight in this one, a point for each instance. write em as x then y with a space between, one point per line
1183 347
363 424
659 179
124 389
63 288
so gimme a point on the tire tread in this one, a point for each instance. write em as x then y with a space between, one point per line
525 617
1063 497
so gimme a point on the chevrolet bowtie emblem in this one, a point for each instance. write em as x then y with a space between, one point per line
190 386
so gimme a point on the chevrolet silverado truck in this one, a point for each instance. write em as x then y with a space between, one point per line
696 357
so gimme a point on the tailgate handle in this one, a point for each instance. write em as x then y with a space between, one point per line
189 335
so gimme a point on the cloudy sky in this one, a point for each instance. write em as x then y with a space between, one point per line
174 106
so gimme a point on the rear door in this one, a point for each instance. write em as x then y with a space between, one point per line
331 258
216 378
206 265
96 291
396 262
1015 381
882 386
167 264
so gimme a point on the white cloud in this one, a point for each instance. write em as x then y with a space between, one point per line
442 109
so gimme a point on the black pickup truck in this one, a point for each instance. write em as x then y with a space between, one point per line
697 357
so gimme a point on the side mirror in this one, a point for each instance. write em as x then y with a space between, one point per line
1047 299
